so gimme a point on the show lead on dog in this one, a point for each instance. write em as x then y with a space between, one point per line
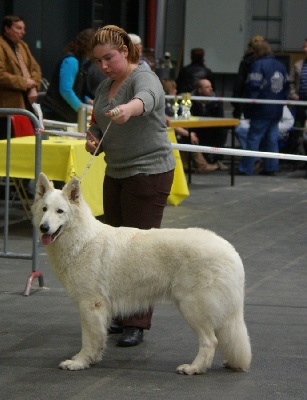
138 154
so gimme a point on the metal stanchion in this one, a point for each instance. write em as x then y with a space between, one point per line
34 255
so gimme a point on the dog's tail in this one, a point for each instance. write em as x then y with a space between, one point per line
234 343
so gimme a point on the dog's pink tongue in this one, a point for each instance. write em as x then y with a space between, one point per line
46 239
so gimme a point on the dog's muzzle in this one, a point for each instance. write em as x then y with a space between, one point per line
46 237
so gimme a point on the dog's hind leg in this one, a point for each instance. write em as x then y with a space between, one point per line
234 343
207 342
95 319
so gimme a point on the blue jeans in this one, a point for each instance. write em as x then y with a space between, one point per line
265 132
241 134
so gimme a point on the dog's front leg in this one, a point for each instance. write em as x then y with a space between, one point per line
94 322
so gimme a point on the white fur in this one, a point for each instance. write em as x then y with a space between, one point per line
118 271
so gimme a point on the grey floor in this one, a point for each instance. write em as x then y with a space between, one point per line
263 217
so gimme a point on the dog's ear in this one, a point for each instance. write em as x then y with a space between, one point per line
43 185
72 190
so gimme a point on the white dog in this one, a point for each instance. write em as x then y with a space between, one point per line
111 271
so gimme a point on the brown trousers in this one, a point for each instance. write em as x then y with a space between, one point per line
137 201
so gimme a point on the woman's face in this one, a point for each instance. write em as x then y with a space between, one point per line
113 63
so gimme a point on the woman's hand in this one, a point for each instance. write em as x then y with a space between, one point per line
32 95
123 112
119 114
91 142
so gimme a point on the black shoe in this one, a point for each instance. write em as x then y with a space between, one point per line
116 326
131 336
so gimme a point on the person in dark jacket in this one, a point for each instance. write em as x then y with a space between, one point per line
212 137
68 87
192 73
268 79
240 80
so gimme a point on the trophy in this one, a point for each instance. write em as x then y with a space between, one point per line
175 107
186 105
183 103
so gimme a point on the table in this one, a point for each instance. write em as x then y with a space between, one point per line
208 122
63 158
202 122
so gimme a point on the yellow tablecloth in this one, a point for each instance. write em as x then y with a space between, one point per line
64 158
202 122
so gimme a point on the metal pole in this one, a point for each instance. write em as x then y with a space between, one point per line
38 146
160 29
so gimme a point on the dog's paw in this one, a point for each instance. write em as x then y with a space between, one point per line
74 365
188 369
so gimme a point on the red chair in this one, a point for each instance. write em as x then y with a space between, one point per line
21 126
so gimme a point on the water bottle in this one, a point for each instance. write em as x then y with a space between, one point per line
82 118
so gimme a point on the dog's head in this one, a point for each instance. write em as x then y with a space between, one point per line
53 209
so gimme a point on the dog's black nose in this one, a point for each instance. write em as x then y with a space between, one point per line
44 228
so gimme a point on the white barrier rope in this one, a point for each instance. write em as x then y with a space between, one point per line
236 152
239 100
59 124
77 135
189 147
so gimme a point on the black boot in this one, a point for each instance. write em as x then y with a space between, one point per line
116 326
132 336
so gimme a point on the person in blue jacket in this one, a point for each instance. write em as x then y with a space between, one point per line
68 87
267 79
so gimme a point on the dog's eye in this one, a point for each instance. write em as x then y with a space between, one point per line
60 211
44 209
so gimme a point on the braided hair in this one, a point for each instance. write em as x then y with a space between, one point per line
116 37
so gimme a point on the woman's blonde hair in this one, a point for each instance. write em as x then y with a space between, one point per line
262 49
117 38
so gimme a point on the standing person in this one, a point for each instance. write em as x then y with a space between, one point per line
138 154
94 77
267 80
20 74
284 126
138 42
298 87
192 73
213 137
68 86
240 80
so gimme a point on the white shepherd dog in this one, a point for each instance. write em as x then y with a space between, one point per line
111 271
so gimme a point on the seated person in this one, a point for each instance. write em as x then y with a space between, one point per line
183 135
212 137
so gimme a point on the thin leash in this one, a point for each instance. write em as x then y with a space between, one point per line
95 152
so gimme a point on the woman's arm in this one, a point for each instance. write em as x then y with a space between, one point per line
68 73
134 108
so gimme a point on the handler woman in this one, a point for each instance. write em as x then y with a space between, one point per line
138 154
